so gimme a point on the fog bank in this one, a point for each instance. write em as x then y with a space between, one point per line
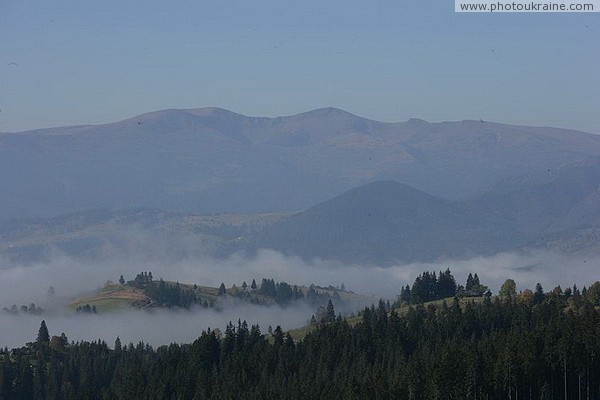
26 284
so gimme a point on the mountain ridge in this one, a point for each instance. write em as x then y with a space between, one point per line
209 160
219 111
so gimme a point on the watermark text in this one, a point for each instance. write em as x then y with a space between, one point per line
526 6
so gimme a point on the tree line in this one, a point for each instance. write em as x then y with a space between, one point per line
430 286
167 294
507 347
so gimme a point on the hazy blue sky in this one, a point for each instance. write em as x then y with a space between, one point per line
82 61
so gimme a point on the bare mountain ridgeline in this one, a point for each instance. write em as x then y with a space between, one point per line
212 160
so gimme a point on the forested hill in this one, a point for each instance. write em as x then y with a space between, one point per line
385 222
145 292
505 348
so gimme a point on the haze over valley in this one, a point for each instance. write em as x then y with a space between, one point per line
207 196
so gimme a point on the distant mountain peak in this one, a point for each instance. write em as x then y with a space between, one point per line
158 115
214 112
327 112
385 222
390 187
223 112
417 121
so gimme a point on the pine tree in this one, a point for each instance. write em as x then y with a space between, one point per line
446 285
593 294
478 288
222 290
405 294
121 280
43 335
538 296
330 312
469 285
476 282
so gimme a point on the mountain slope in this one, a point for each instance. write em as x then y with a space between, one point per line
558 209
129 233
379 223
212 160
555 200
385 222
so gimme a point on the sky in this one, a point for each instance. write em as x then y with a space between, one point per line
69 62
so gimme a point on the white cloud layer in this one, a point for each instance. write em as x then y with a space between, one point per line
27 284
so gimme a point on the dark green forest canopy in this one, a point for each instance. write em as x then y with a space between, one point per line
495 349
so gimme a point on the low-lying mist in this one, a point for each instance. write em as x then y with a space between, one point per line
22 285
157 327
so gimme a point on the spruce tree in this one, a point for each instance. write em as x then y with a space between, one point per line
43 335
222 290
476 282
469 285
538 296
330 312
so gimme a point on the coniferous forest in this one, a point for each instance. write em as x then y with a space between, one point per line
526 346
